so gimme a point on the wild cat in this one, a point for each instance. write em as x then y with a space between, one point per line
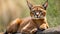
30 25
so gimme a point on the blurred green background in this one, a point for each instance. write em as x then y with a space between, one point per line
12 9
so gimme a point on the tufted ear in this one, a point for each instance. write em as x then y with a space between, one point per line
29 5
45 4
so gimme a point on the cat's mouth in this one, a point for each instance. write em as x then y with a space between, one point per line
38 17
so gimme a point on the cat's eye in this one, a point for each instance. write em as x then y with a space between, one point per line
40 11
33 11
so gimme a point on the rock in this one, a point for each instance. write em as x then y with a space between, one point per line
54 30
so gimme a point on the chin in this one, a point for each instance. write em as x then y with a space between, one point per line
38 18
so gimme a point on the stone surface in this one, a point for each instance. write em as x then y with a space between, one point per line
54 30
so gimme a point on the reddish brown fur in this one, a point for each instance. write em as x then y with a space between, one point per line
29 25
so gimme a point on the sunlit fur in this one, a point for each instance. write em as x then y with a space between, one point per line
31 24
38 12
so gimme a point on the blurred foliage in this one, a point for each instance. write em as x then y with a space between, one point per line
12 9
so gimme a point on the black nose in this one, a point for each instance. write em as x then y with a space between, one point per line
37 16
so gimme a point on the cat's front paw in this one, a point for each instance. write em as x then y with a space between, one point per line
33 31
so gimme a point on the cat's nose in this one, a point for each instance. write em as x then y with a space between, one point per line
37 13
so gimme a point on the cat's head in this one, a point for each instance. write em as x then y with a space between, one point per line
37 11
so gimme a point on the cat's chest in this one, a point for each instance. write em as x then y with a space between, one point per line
38 21
29 26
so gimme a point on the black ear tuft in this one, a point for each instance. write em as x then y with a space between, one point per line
45 4
29 4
